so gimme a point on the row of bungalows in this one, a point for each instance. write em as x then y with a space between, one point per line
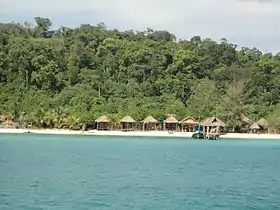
187 124
261 126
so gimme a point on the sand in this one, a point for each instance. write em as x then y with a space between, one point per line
136 133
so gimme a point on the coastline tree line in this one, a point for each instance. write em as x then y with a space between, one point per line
69 77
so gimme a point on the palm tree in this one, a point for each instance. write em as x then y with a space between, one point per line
23 119
49 118
114 120
59 116
71 122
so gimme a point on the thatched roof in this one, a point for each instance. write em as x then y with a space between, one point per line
171 119
189 120
127 119
254 126
244 118
150 119
215 124
213 121
102 119
262 122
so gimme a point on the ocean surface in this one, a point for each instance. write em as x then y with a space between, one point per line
119 173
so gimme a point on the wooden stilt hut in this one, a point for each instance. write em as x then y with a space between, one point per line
170 123
254 128
262 123
150 123
188 124
102 123
213 123
127 123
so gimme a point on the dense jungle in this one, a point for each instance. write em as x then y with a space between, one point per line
68 77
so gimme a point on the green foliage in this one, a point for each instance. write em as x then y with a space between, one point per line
69 77
274 119
202 103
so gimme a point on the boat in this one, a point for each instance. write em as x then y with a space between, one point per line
198 135
198 132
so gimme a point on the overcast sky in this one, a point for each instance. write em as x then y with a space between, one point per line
252 23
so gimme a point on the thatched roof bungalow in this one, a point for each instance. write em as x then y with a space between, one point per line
102 123
170 123
213 123
263 124
188 124
254 127
127 123
150 123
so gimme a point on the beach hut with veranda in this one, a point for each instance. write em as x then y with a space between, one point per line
263 124
127 123
213 123
150 123
170 123
254 127
188 124
102 123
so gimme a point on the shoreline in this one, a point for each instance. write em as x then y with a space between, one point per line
135 133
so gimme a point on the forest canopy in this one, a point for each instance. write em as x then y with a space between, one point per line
71 76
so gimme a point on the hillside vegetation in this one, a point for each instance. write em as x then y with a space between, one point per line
69 77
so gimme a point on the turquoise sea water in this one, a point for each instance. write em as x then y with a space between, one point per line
102 173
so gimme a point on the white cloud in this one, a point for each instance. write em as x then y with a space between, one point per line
44 6
249 23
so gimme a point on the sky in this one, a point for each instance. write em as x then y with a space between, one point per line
249 23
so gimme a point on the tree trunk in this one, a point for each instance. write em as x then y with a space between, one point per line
84 127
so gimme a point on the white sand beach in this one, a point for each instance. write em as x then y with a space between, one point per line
136 133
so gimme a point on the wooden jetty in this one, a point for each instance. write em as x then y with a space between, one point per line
213 136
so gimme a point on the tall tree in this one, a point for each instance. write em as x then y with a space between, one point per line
67 77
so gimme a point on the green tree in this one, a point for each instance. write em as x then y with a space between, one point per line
203 102
66 78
